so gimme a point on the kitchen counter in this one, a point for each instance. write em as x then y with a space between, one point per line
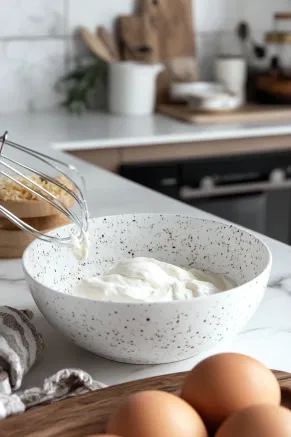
101 130
267 336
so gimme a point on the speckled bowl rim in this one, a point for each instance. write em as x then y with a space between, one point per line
124 304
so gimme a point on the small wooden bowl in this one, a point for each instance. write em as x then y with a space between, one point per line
32 208
274 85
39 223
13 241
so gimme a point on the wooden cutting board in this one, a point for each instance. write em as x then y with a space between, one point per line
173 21
85 415
250 113
136 34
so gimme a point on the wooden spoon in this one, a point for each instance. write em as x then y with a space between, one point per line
96 45
108 40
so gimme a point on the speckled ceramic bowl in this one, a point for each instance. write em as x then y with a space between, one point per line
150 333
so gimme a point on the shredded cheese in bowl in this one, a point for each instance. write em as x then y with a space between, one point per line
10 190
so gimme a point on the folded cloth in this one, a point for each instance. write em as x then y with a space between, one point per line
66 383
20 346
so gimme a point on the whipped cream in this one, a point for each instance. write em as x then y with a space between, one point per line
81 246
149 280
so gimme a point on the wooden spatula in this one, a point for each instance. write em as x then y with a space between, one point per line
96 45
108 40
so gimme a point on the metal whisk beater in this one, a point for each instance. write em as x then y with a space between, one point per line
7 166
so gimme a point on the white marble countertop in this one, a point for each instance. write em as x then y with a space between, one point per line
101 130
267 336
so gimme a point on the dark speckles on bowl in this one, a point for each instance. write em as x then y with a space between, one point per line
157 332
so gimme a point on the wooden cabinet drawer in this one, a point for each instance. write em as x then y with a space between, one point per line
109 159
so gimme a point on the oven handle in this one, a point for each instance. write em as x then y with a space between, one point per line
187 193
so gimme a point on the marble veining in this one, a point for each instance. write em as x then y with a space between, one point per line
29 80
10 280
22 18
282 283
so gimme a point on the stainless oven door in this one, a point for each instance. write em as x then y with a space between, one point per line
263 207
248 210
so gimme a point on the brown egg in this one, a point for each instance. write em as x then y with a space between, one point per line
156 414
102 435
226 383
258 421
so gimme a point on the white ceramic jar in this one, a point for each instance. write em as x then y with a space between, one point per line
132 88
231 71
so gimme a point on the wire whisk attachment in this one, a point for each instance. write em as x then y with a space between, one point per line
47 180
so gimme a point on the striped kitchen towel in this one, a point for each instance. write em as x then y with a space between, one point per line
20 347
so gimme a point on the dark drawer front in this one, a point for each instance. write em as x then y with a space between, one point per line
160 177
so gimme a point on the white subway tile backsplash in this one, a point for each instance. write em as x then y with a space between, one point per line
205 21
259 14
36 38
26 18
91 13
215 15
29 71
208 46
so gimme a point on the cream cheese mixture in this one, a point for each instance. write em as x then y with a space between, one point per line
80 248
149 280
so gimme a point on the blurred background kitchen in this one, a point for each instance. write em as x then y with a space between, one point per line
38 39
211 79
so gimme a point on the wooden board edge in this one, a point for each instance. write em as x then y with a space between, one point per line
266 114
87 414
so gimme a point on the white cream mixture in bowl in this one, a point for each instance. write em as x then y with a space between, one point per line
149 280
171 315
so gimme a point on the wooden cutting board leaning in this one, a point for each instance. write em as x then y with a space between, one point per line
86 415
161 32
250 113
138 39
173 22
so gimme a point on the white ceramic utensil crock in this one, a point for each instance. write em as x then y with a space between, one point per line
132 87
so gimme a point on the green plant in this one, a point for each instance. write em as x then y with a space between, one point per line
83 84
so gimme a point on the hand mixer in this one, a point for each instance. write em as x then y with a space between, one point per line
80 219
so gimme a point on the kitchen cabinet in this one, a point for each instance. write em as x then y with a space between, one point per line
112 158
246 181
109 159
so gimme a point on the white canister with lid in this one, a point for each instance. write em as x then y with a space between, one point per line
132 87
231 71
